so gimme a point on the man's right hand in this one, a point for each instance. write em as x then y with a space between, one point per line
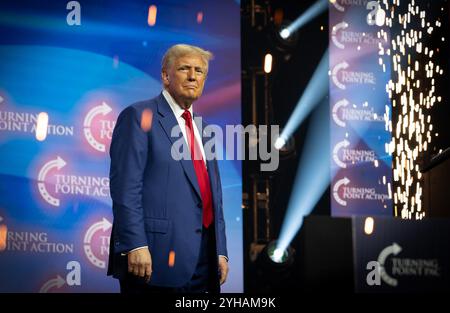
140 263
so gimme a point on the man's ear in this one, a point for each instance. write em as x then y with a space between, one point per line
165 77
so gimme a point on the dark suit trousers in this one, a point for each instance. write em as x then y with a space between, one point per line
204 279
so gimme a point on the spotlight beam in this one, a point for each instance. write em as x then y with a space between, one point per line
316 89
315 10
312 179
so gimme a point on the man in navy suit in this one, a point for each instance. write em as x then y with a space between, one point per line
168 231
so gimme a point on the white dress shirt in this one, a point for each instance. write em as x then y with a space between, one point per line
178 112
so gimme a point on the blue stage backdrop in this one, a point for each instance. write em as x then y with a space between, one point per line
82 62
359 108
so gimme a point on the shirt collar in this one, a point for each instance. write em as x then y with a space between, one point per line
177 110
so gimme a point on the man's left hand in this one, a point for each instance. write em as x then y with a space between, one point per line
223 268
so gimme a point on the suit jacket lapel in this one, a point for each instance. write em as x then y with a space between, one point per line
168 122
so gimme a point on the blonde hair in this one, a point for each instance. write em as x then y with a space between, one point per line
180 50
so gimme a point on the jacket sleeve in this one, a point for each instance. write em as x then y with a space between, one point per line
129 148
222 240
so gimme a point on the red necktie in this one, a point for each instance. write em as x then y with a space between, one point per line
200 171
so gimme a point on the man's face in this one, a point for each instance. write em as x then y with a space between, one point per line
185 79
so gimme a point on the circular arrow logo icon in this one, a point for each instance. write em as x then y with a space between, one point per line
58 164
392 249
338 7
100 110
343 144
94 230
337 120
334 74
341 25
344 181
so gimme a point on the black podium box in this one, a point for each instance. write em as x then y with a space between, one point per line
344 255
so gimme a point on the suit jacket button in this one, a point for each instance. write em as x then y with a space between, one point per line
198 230
199 205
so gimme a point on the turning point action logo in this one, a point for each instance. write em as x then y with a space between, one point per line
342 111
340 76
65 184
96 243
428 268
343 154
31 241
97 128
341 5
354 193
340 36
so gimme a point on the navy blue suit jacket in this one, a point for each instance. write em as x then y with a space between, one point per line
156 199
